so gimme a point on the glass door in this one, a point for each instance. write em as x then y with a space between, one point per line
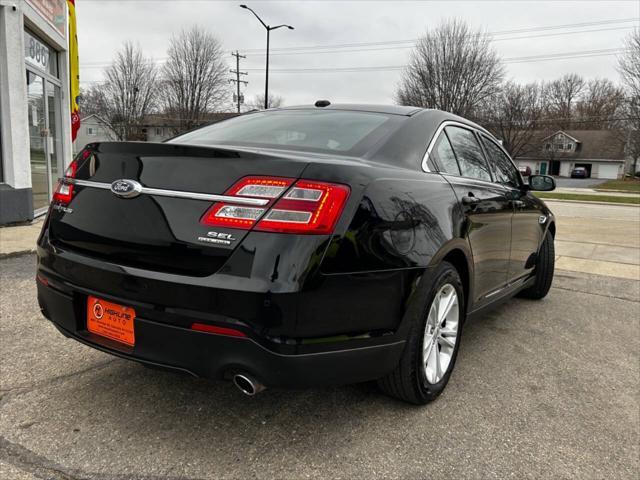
54 130
40 178
45 138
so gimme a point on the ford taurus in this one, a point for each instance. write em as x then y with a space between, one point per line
315 245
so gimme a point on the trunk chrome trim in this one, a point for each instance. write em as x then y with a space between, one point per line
158 192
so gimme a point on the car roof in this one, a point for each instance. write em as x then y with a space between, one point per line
359 107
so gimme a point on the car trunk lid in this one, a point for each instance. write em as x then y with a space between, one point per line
158 231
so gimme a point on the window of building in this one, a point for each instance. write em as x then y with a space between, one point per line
560 146
469 154
547 146
159 131
39 55
91 131
569 146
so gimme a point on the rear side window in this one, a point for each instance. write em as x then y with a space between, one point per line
322 131
505 170
469 154
444 156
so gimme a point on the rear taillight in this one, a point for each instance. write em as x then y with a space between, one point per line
64 191
307 207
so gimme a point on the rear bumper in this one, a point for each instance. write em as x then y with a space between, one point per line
215 356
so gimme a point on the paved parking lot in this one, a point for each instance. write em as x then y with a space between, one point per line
541 390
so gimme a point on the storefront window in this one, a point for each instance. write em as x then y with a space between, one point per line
45 119
39 55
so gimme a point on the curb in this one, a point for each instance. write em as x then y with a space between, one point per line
17 253
590 203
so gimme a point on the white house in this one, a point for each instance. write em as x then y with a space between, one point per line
601 152
92 129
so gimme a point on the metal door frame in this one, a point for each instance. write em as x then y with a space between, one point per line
46 77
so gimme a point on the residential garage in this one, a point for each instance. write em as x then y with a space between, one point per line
601 152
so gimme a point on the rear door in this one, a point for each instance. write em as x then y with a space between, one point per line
525 229
485 204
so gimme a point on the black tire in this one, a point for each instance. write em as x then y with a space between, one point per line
545 264
408 381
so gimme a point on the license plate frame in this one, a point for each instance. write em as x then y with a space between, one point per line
111 320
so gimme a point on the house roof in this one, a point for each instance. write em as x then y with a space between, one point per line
95 116
593 145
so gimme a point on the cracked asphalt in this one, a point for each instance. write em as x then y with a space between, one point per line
541 389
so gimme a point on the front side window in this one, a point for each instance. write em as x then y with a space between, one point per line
444 156
469 154
506 172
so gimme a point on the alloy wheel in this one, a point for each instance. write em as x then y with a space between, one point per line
441 333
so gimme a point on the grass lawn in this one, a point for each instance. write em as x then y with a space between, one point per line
626 185
587 198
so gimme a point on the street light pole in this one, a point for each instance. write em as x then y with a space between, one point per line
268 29
266 76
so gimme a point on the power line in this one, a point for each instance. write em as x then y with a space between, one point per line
413 41
399 47
494 33
524 59
388 68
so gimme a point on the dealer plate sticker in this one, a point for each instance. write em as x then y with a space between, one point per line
111 320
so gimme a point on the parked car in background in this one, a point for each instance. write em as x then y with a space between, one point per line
525 171
302 246
579 172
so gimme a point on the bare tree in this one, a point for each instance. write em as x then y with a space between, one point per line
629 64
275 101
194 77
560 98
600 104
92 101
629 68
513 115
129 92
452 68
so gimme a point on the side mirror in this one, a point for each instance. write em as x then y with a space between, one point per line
541 183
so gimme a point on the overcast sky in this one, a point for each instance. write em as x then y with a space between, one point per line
104 24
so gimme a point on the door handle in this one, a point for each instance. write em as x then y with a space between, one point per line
517 203
470 200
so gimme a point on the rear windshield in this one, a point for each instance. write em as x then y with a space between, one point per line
328 131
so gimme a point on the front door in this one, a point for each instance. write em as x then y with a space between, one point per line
525 226
45 147
488 229
543 168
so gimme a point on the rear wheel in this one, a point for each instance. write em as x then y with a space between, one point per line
545 264
432 345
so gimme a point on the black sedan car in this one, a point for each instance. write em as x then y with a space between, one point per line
579 172
302 246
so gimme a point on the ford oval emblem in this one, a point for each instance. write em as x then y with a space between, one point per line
126 188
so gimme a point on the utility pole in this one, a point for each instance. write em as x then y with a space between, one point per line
237 80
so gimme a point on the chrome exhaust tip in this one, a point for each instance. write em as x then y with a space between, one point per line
247 384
